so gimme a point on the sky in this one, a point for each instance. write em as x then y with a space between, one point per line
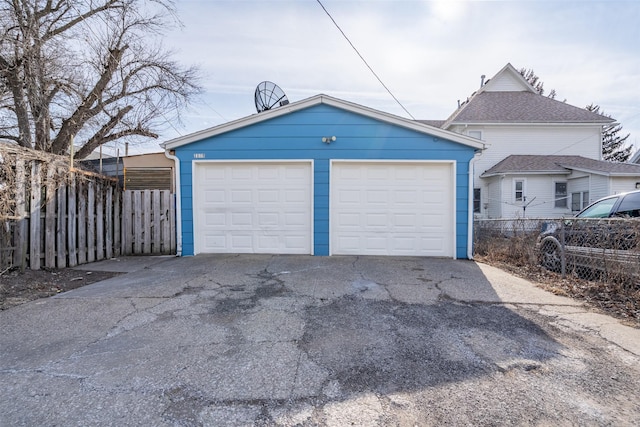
430 54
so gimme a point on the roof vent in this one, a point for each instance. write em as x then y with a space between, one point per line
482 77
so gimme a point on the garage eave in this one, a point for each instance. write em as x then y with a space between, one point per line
327 100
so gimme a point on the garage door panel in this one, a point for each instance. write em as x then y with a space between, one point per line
376 220
392 208
405 221
240 172
377 196
268 173
265 196
296 219
405 196
215 219
266 219
252 207
296 173
294 195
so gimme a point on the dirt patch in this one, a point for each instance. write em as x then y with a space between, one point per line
19 287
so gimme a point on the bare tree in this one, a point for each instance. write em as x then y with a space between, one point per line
88 72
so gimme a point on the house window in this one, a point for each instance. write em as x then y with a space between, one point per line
579 200
560 195
519 190
476 200
475 134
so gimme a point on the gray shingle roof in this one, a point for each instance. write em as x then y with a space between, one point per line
434 123
560 165
521 107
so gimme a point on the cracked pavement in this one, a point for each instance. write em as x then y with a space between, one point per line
298 340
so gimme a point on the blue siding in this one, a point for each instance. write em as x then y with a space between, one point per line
298 135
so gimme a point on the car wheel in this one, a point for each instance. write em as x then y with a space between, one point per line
550 256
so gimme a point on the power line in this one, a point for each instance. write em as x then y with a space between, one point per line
364 60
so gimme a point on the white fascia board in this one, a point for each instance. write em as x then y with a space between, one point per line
521 124
324 99
603 173
507 173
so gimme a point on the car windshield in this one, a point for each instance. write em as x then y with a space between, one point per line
601 209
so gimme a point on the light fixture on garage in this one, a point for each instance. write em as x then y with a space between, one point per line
637 185
328 139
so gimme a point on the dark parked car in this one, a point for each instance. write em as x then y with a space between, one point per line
604 234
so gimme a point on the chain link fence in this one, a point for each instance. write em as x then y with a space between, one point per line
599 250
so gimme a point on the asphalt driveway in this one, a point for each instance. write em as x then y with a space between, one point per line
299 340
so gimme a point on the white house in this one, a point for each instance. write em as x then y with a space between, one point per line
543 157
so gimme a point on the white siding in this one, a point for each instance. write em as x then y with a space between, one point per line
578 184
505 82
494 195
599 187
623 184
531 140
540 198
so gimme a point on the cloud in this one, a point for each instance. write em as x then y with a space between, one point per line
429 53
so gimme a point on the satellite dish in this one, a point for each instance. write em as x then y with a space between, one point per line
269 95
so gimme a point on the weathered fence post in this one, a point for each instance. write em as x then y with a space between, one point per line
20 233
157 213
82 221
99 221
109 215
117 221
34 215
91 223
50 220
137 222
61 227
146 220
72 222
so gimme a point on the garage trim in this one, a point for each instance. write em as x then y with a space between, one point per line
195 187
452 168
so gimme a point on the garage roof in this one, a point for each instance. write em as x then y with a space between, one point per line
327 100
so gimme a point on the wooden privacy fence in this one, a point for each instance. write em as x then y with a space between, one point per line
53 217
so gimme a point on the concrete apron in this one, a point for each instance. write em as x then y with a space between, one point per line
300 340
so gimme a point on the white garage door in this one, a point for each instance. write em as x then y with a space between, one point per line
392 208
258 207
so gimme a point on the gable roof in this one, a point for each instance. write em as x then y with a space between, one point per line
508 98
326 100
507 79
522 107
536 164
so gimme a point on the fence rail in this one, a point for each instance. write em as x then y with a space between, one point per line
57 218
605 249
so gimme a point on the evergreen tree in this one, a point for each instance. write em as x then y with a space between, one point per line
613 144
531 77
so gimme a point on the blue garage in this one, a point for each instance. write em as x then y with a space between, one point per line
323 176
